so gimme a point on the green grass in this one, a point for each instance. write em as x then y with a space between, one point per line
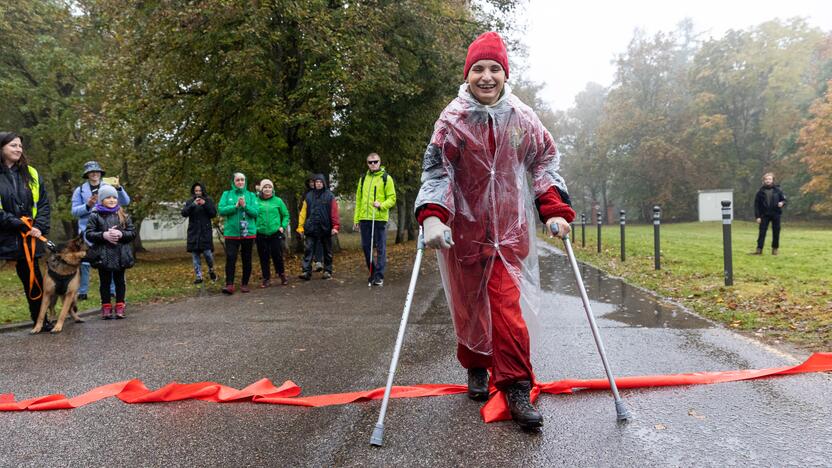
785 297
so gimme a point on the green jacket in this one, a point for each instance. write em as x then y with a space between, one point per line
234 215
385 193
273 215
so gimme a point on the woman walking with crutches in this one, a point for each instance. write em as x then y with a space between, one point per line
484 144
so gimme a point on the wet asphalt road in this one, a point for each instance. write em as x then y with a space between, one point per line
336 336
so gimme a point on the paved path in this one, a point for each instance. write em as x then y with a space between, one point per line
336 336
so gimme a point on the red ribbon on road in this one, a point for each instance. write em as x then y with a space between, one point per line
264 391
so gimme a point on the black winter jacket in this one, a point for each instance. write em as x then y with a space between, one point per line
103 254
16 201
761 207
200 230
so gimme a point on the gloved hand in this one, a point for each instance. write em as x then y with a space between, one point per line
434 232
563 226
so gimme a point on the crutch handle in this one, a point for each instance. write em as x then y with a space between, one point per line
555 230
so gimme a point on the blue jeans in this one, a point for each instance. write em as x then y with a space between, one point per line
85 280
379 235
209 259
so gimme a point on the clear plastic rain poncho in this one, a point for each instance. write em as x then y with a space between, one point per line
489 195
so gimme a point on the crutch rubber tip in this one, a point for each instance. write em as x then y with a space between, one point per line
622 414
378 435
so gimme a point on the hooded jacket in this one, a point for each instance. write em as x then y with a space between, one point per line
385 192
16 201
475 179
273 215
235 216
321 211
200 230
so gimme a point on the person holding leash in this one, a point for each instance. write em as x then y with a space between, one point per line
474 188
24 217
374 196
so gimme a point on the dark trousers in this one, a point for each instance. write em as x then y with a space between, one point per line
379 235
313 243
232 246
775 231
270 248
22 268
105 277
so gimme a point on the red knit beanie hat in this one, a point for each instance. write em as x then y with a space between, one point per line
488 46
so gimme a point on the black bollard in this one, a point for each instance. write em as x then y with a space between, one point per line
583 230
657 216
622 222
599 220
726 242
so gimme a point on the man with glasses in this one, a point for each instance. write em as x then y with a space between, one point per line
374 197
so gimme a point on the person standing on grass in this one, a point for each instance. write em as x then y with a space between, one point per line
475 191
374 196
322 222
110 231
272 223
239 207
768 207
23 195
84 198
200 210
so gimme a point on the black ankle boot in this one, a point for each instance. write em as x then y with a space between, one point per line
522 411
478 384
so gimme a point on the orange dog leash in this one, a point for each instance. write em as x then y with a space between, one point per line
29 253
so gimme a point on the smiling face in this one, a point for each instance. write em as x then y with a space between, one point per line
486 80
94 177
110 202
267 190
239 181
12 152
197 191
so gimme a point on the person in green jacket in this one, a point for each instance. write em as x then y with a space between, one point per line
374 196
272 223
239 207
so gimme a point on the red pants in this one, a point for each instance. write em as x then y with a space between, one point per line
510 338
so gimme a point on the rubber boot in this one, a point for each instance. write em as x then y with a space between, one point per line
522 411
478 384
119 310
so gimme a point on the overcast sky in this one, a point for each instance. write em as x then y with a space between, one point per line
571 43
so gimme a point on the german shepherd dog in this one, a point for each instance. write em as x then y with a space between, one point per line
62 279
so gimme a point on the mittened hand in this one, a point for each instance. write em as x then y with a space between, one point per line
434 232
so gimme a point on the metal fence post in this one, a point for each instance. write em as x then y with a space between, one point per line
599 221
622 221
657 221
726 243
583 230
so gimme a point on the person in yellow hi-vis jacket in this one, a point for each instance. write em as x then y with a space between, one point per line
374 196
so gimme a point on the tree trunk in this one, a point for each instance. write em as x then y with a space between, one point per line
401 217
137 242
410 219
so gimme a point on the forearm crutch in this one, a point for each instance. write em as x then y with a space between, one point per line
621 411
378 432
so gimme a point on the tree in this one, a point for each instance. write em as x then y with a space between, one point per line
816 153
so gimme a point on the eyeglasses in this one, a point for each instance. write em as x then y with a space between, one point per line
374 162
